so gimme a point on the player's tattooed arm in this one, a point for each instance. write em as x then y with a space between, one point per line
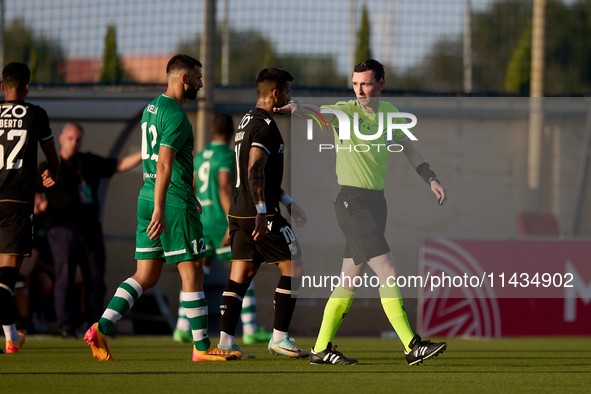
257 158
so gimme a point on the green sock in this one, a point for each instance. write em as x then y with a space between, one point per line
335 311
195 306
126 295
392 304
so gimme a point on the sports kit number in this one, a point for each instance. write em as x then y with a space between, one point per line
12 163
237 151
201 244
288 234
154 133
203 174
245 120
289 239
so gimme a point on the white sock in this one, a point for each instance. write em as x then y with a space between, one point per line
226 340
11 333
249 328
182 323
279 335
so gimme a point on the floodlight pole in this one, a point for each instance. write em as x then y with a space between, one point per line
352 39
536 106
206 102
467 55
226 45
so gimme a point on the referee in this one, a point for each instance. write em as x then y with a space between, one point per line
361 214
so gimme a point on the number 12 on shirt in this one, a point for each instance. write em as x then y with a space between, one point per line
154 135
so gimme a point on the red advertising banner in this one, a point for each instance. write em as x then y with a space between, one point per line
494 288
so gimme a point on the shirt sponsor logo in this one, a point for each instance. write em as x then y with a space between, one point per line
152 109
16 111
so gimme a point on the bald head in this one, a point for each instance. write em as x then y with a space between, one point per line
71 140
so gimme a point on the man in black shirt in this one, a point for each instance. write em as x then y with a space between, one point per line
259 233
21 126
74 231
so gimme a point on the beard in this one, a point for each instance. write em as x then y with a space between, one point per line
284 103
191 94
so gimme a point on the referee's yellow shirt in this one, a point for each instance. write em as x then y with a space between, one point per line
362 163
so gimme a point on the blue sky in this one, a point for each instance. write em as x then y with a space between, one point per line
403 31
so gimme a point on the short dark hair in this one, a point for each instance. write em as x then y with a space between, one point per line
272 78
181 62
16 75
223 125
373 65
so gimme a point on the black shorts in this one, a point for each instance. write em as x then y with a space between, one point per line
280 243
16 228
361 215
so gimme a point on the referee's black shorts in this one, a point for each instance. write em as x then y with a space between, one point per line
361 215
280 243
16 228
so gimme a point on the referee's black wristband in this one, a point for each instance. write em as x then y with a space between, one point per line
426 173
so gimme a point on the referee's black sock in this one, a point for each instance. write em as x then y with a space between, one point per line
285 301
231 306
8 311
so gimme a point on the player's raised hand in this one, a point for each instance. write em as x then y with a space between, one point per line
297 214
157 226
260 227
439 192
48 178
291 106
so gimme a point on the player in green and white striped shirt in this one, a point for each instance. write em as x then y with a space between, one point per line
169 229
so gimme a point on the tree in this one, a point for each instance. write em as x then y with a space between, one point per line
112 72
316 71
43 55
519 69
250 52
501 42
363 46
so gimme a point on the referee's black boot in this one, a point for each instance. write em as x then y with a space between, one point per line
423 350
330 356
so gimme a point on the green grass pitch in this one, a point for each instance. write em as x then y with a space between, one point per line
159 365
